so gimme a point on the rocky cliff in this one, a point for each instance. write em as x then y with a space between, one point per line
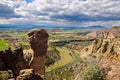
110 50
106 33
108 47
14 60
106 52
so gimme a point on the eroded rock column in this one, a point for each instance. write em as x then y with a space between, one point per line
38 41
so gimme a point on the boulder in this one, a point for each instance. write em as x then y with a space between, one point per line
28 74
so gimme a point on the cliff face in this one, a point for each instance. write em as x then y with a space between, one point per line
108 42
106 33
103 34
108 47
14 60
107 54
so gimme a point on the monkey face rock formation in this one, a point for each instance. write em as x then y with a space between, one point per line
38 41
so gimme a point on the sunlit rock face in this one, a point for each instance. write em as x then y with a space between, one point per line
28 74
38 41
107 47
107 33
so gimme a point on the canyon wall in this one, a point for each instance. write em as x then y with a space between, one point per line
108 47
106 33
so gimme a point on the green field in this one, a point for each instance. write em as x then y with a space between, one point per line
18 34
3 44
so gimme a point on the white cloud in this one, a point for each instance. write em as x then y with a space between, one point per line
66 12
67 7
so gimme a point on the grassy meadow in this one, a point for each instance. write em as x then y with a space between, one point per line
3 44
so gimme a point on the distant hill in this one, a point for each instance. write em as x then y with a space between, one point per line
27 26
113 32
96 27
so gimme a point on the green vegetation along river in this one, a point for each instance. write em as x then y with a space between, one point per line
68 59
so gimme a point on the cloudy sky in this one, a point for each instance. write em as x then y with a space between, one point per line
60 12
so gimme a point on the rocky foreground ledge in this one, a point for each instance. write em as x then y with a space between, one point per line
13 63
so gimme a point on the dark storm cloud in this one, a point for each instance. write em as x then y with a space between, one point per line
7 12
80 18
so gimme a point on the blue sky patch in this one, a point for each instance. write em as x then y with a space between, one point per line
29 1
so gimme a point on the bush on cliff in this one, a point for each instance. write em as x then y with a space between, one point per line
92 72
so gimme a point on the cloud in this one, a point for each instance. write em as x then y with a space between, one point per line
77 10
7 12
90 11
62 12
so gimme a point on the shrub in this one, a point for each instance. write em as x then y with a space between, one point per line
60 74
92 72
4 75
53 55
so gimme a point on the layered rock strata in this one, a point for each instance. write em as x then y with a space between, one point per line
108 47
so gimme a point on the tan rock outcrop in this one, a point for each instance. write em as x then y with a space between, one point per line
96 45
38 41
107 33
28 74
102 34
112 69
108 47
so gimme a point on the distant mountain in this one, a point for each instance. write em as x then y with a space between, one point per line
25 26
15 26
96 27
